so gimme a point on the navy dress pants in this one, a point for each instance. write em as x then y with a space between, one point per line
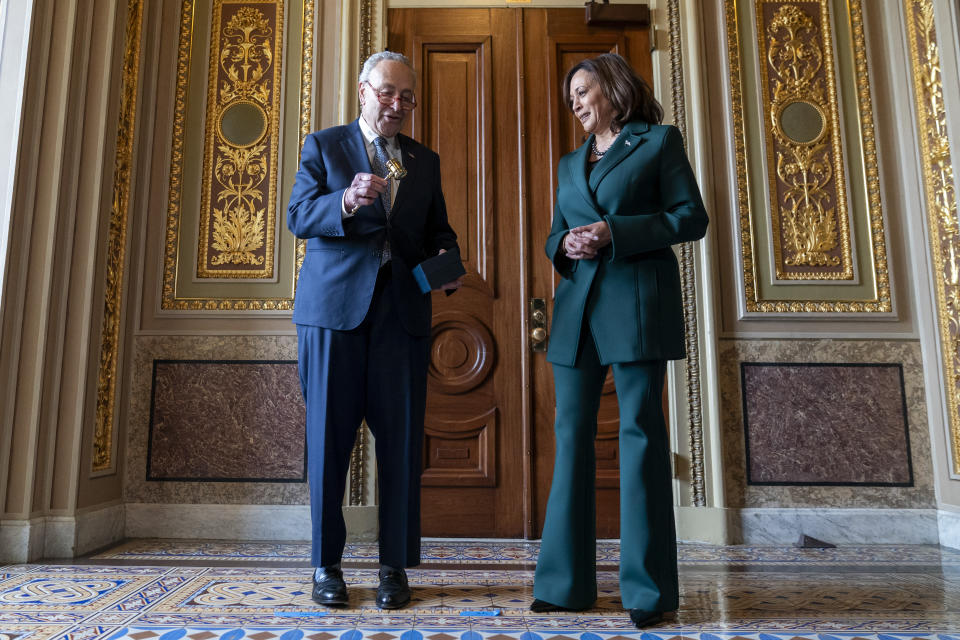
376 372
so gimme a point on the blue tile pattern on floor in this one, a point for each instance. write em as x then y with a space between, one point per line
881 592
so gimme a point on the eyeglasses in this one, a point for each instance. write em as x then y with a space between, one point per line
408 101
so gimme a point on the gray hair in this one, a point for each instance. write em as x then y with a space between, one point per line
379 57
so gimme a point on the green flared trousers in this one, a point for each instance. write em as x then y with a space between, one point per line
566 569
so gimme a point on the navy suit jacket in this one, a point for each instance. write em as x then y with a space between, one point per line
343 255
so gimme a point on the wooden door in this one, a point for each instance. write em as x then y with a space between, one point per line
489 90
473 464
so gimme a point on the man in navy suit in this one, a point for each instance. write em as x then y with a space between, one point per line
363 326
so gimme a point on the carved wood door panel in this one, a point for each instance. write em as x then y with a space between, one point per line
473 465
489 91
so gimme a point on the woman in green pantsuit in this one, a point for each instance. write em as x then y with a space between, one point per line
624 197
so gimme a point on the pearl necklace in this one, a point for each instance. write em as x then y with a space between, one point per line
597 152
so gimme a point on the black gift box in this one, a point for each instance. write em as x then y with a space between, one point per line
437 271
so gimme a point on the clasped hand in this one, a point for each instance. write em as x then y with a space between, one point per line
364 190
586 241
453 285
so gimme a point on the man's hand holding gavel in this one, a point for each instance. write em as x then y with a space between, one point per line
364 190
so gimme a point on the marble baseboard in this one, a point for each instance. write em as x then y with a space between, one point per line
948 523
23 541
56 537
838 526
703 525
59 537
15 541
37 538
99 527
239 522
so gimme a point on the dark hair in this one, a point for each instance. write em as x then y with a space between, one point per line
631 97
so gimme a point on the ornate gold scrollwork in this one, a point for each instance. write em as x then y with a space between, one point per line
240 171
811 235
361 448
880 300
698 488
238 226
231 235
116 244
941 198
306 97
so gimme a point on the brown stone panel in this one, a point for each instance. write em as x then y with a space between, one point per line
825 424
214 420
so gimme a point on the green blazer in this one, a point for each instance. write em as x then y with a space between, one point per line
630 293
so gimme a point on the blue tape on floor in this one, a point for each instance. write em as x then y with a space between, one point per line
485 613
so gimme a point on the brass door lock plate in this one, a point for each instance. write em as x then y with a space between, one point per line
538 325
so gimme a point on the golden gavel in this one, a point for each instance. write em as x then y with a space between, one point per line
395 170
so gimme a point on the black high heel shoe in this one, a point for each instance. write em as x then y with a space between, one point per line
643 618
542 606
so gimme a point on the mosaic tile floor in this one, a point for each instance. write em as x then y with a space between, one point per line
478 590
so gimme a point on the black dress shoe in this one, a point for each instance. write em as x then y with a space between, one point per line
643 618
329 587
542 606
393 592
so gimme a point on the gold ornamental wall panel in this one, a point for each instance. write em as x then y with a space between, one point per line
102 460
242 108
812 233
241 142
809 223
939 187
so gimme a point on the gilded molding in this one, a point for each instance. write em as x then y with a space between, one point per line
169 298
881 301
306 99
361 449
810 219
306 74
102 459
938 178
698 491
176 159
237 224
366 30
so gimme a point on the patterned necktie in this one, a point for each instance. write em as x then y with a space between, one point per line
380 158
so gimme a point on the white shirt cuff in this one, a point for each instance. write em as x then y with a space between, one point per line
344 214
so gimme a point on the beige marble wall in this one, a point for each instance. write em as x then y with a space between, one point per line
907 353
147 349
60 199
